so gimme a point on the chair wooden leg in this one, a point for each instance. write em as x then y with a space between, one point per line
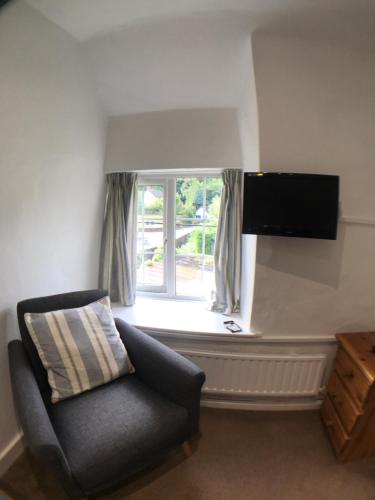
185 447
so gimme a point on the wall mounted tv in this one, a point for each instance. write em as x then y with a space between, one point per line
283 204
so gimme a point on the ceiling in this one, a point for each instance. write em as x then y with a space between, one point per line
148 55
85 19
181 64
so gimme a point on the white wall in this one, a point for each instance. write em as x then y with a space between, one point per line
247 114
195 138
317 114
51 174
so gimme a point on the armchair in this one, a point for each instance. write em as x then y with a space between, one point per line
97 439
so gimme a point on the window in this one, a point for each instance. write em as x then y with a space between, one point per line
177 223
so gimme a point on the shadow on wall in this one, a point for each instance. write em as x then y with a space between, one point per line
8 325
8 331
8 422
312 259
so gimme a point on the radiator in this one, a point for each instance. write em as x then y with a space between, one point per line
260 375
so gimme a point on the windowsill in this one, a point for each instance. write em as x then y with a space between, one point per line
178 317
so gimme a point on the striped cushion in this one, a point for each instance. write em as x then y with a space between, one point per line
80 348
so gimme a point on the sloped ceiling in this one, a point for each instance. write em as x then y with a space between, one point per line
149 55
85 19
180 64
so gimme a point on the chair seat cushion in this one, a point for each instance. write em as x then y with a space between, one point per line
115 430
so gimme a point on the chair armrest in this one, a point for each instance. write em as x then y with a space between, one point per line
39 433
164 370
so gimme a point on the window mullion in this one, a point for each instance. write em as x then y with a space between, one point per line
171 241
204 227
143 235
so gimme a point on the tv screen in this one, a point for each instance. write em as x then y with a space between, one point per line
300 205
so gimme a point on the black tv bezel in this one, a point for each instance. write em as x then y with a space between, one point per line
262 230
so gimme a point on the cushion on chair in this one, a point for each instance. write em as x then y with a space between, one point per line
80 348
42 305
116 428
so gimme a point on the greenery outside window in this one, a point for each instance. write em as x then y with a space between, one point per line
177 224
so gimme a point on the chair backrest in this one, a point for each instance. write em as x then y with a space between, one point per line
46 304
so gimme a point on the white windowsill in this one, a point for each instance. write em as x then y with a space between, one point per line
178 316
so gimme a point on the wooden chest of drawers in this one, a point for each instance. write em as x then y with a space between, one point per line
348 410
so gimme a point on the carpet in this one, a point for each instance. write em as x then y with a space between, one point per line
242 455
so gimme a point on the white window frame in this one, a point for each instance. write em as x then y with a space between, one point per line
168 180
144 181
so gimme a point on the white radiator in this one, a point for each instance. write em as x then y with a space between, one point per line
259 374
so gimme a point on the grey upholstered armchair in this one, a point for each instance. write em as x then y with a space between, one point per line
101 437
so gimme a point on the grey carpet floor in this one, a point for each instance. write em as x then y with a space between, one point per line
241 456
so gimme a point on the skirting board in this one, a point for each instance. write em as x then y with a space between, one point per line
261 405
11 452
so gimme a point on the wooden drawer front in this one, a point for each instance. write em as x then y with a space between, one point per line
352 377
344 406
335 429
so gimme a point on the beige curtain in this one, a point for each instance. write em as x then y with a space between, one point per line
117 267
227 254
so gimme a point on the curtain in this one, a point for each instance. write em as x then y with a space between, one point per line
227 254
117 267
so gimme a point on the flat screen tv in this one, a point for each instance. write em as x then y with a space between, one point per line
283 204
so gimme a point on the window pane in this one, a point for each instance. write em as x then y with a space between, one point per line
197 211
194 270
150 240
189 196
